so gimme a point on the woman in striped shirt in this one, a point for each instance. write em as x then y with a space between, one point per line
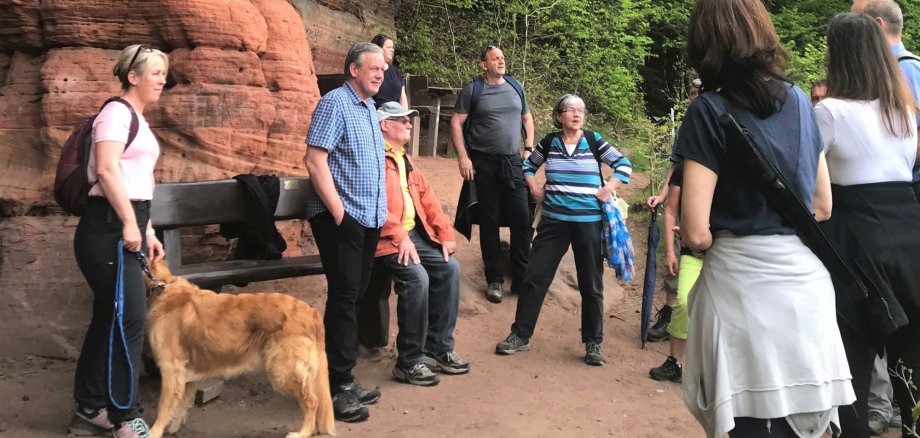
572 216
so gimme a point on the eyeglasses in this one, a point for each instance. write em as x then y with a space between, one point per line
403 120
141 48
574 110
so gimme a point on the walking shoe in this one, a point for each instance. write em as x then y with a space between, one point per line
512 344
90 424
136 428
447 363
364 395
669 370
494 292
877 423
347 407
659 331
593 354
417 374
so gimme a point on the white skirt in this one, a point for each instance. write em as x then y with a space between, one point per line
763 339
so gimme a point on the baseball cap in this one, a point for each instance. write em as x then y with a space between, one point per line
393 109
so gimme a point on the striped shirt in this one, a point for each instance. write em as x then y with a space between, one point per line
572 180
348 129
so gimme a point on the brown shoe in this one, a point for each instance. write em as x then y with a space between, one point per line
494 292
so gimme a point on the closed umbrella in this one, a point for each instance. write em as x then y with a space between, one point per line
648 289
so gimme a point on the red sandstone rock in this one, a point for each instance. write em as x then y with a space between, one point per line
20 26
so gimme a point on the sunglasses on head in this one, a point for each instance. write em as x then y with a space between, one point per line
141 48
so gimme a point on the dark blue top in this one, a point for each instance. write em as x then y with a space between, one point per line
792 142
391 88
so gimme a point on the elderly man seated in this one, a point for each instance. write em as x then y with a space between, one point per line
416 244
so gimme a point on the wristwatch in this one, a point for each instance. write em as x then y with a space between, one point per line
528 148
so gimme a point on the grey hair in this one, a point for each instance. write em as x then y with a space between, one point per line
356 55
889 11
563 103
123 62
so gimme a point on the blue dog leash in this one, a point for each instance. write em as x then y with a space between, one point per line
118 318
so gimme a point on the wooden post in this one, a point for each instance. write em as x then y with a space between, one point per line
435 120
413 142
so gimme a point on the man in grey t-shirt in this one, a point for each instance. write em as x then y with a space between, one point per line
488 147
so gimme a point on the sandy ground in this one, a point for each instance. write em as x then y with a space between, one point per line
546 392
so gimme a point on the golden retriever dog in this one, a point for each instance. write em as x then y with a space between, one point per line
196 334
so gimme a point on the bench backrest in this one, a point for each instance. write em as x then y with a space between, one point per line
177 205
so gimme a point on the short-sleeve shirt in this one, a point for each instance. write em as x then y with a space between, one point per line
496 126
858 145
677 176
911 69
348 129
789 138
137 162
391 88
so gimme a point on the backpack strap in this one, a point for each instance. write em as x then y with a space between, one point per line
595 149
135 121
907 55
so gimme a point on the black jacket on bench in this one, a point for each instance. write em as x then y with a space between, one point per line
258 236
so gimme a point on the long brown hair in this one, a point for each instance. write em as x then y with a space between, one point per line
733 46
860 66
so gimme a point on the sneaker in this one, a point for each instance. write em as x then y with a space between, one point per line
512 344
494 292
136 428
417 374
364 395
593 354
347 407
659 331
90 424
447 363
877 423
668 371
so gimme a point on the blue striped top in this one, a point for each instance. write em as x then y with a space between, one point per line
572 180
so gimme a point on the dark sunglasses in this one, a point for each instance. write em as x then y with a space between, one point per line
141 48
486 52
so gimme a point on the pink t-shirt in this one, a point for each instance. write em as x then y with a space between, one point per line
114 124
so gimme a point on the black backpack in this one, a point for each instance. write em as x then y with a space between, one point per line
71 181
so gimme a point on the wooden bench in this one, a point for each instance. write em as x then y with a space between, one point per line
179 205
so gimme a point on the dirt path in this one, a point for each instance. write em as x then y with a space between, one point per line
547 392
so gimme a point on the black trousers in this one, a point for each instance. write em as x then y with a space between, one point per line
904 345
497 201
96 249
553 240
747 427
347 252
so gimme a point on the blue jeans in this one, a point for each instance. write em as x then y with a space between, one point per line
428 297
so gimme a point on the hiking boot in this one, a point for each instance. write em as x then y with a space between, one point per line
364 395
95 423
494 292
447 363
668 371
417 374
512 344
593 354
347 407
136 428
877 424
659 331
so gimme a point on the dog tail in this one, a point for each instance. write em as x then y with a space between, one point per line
325 417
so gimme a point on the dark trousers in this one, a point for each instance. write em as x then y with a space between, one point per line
347 253
861 356
428 297
96 249
497 200
552 242
747 427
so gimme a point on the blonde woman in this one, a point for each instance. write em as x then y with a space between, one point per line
118 210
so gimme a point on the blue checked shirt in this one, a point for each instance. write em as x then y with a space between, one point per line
348 129
911 69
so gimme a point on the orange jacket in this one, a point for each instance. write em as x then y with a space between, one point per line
427 208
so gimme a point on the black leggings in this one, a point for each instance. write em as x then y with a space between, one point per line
96 249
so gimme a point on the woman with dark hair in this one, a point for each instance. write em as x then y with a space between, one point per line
870 138
393 88
572 215
115 227
764 356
